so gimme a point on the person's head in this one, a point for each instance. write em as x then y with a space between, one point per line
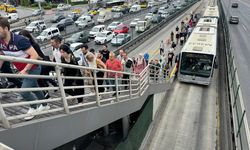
65 50
124 56
84 48
156 61
111 56
105 47
92 51
90 57
99 55
56 41
4 28
140 56
151 61
26 34
161 41
121 52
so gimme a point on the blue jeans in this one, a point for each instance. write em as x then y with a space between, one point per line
32 83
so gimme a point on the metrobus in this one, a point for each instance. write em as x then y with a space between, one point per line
208 22
197 57
211 12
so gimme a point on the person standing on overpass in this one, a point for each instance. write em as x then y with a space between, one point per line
18 46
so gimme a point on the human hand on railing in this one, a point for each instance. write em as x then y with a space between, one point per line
24 71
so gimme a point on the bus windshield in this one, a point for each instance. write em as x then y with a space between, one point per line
196 64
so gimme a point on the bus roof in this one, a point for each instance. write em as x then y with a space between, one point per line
211 11
202 40
209 22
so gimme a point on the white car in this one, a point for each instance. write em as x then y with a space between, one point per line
113 25
63 7
149 16
48 34
164 15
104 37
12 17
76 49
95 30
134 22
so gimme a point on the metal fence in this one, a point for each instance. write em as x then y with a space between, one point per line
14 112
241 128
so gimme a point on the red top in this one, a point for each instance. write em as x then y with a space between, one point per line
114 65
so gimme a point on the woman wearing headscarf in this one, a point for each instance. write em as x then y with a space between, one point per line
68 57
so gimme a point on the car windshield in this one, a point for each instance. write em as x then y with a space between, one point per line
196 64
95 29
113 24
101 35
80 19
119 28
120 36
56 17
140 24
75 36
136 20
32 24
62 21
44 33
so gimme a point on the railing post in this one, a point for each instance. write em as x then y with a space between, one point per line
3 117
116 87
96 89
148 74
139 85
61 88
234 75
154 74
130 86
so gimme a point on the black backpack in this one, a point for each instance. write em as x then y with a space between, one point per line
129 63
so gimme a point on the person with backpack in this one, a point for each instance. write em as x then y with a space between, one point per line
177 35
128 67
161 48
141 64
170 58
172 36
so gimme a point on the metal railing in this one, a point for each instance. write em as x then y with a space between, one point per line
62 103
240 124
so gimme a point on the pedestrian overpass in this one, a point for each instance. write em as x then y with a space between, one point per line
67 120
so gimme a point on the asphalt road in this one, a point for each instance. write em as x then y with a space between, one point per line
188 120
240 38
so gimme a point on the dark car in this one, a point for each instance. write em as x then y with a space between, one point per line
57 18
156 19
154 10
82 37
38 12
63 24
234 20
74 16
234 5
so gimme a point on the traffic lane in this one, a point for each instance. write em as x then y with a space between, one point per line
91 44
164 34
240 42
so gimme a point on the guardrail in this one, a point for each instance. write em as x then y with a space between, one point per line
147 34
133 86
240 124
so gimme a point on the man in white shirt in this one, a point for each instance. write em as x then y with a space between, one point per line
119 57
56 43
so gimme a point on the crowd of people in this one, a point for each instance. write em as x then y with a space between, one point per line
24 46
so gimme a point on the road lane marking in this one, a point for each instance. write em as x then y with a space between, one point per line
244 27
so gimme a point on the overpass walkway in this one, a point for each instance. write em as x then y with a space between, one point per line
66 119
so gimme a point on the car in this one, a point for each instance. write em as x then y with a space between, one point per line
154 10
62 7
76 49
95 30
120 39
48 34
234 20
92 13
115 9
121 29
149 16
113 25
235 5
38 12
164 15
82 37
118 15
63 24
156 19
86 23
36 26
57 18
134 22
12 17
103 37
74 16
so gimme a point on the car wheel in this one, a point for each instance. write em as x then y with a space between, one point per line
105 41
